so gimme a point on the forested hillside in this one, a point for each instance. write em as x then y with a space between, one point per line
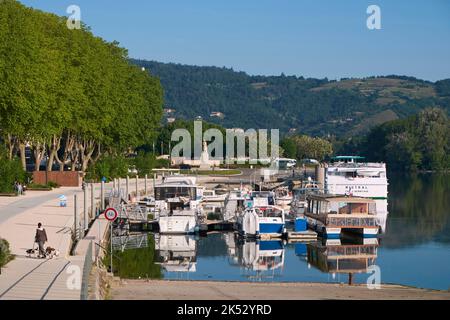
311 106
418 142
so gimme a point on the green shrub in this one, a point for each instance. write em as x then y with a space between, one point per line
110 167
52 184
5 253
37 186
146 162
10 172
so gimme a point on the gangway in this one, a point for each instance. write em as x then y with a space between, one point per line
130 241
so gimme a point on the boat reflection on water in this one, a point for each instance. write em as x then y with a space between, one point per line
231 241
176 253
259 260
343 256
382 214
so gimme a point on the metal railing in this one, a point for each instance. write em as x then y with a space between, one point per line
352 222
87 268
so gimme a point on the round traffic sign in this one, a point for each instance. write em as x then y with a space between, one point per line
111 214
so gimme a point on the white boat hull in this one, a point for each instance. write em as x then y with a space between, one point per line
177 225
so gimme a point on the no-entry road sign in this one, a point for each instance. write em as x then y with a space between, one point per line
111 214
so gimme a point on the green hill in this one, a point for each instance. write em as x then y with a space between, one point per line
312 106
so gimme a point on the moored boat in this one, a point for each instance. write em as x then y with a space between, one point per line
261 222
177 203
283 197
350 175
332 214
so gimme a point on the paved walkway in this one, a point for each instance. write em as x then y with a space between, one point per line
28 278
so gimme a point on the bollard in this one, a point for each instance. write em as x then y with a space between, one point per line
75 215
102 196
85 208
137 188
127 188
92 212
145 185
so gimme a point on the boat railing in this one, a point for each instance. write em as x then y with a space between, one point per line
351 221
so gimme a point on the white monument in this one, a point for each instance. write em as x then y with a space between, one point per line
205 163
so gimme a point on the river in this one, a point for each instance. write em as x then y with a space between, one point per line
413 251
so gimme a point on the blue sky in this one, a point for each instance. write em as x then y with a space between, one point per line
321 38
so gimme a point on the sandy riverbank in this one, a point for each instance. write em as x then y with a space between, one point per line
208 290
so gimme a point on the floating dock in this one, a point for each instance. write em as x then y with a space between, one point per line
307 235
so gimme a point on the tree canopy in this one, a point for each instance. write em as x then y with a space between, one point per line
305 147
69 95
419 142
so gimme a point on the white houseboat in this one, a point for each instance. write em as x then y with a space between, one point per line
177 204
332 214
350 176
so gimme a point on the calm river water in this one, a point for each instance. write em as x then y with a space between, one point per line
414 251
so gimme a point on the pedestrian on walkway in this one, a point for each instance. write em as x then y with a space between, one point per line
41 239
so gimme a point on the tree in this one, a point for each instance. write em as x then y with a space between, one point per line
309 147
419 142
69 95
290 148
433 130
11 171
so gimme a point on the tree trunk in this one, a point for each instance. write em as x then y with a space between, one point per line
39 151
69 149
23 158
75 160
53 149
98 154
11 141
87 148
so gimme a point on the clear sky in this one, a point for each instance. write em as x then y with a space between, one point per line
320 38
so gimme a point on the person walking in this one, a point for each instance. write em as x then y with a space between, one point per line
41 239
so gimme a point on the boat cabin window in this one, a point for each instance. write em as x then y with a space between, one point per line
350 208
270 212
352 174
258 197
220 192
168 192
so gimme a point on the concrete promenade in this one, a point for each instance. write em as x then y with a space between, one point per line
42 279
210 290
